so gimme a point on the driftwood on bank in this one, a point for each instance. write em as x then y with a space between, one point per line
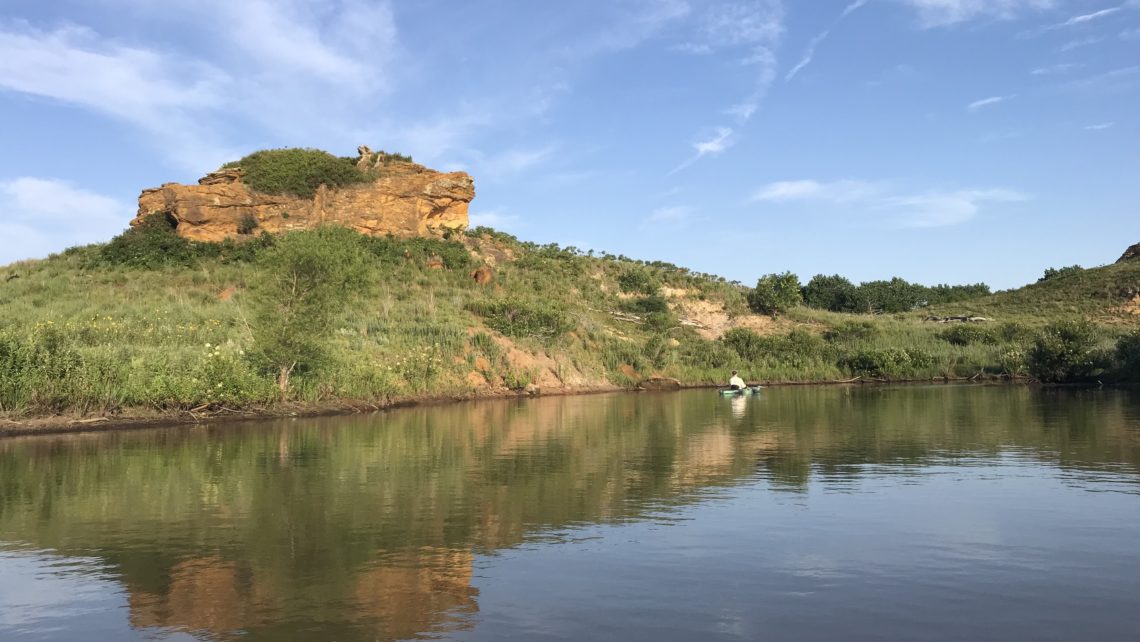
959 319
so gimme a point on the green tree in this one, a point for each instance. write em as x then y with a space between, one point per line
775 293
303 281
1128 356
833 293
1064 351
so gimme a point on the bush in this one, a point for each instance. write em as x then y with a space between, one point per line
964 335
518 318
246 224
1054 273
305 279
833 293
775 293
1128 356
150 244
852 331
748 345
297 172
1064 351
638 280
645 305
889 362
394 252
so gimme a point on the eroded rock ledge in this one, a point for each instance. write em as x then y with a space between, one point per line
406 200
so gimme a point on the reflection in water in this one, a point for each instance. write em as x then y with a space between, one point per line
373 527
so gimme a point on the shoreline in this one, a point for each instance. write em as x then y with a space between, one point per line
63 424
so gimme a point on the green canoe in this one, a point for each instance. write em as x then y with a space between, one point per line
751 390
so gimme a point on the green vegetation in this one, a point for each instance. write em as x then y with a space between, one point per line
775 293
152 321
837 294
300 172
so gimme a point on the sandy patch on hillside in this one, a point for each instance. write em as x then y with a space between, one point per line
715 321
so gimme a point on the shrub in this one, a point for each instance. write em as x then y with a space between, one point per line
645 304
1128 356
1054 273
638 280
304 279
964 335
1064 351
297 172
247 224
888 362
833 293
748 345
150 244
852 331
394 252
518 318
775 293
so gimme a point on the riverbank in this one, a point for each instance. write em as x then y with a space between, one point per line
141 419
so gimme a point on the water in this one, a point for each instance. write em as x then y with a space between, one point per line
928 513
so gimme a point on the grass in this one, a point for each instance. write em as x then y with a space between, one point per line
95 331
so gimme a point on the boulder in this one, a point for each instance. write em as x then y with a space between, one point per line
406 200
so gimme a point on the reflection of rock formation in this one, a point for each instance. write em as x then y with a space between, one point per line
411 594
204 594
398 597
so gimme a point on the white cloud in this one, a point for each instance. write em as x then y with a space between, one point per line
925 209
1130 34
39 216
719 141
944 13
1089 17
836 192
513 161
1100 127
673 215
809 55
1053 70
492 218
988 102
1080 42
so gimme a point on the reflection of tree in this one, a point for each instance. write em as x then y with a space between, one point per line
368 526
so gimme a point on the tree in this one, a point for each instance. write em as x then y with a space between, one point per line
775 293
303 281
1064 351
833 293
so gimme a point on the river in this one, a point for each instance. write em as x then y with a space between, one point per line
822 513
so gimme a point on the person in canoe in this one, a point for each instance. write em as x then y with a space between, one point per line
736 383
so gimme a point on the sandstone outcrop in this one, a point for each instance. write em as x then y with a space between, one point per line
406 200
1130 254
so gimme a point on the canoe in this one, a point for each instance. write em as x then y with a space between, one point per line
751 390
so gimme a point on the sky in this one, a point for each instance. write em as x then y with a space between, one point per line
943 141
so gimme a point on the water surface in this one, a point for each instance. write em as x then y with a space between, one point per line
916 513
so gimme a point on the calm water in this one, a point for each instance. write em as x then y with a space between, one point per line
933 513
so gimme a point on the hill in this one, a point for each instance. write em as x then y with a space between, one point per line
156 322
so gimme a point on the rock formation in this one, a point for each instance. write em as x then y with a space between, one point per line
1130 254
406 200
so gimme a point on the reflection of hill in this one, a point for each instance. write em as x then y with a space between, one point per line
368 526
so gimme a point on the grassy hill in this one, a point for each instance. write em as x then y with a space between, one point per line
152 323
1105 294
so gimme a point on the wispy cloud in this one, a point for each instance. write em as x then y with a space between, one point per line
1100 127
945 13
493 218
510 162
1089 17
1130 34
1054 70
672 216
809 54
922 209
719 141
988 102
1080 42
41 215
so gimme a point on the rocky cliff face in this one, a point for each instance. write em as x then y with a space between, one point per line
407 200
1130 254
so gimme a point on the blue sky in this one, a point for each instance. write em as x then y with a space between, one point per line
937 140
